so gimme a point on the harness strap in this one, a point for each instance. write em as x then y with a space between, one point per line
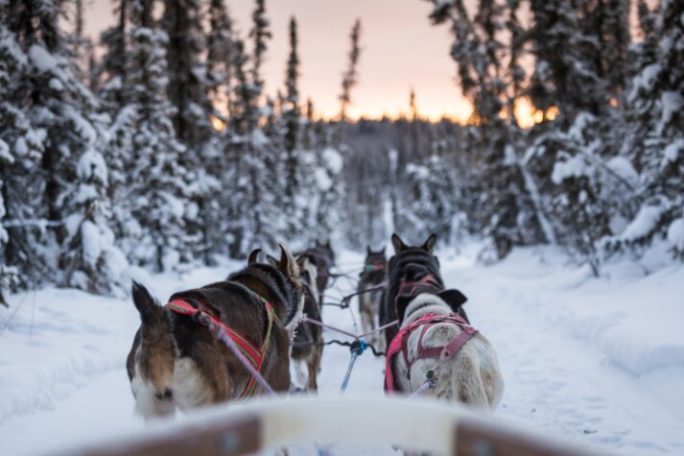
400 343
412 288
373 267
449 349
254 355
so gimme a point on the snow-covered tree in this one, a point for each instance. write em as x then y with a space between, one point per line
54 127
187 87
655 102
111 71
18 153
219 54
159 190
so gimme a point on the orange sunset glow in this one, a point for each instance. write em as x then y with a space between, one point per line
400 50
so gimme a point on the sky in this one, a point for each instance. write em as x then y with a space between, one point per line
400 50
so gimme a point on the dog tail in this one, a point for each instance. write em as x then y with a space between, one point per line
144 302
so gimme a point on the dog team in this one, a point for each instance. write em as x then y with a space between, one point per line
182 359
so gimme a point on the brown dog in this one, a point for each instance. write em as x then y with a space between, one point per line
176 361
373 274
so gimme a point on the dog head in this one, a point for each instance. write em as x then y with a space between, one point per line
284 279
375 260
326 250
412 263
309 273
154 358
399 245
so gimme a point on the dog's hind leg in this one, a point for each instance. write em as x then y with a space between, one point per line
366 311
300 375
313 365
467 384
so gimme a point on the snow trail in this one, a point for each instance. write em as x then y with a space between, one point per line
582 358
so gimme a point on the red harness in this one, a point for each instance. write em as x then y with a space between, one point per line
254 355
415 287
400 343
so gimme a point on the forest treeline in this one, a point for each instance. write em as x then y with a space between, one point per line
164 148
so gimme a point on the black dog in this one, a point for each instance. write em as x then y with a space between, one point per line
307 347
411 271
323 257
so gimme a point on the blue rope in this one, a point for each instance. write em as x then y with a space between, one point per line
356 348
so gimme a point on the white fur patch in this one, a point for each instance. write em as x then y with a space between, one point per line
146 403
313 273
422 304
189 388
472 375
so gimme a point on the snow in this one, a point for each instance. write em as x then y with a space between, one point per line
259 139
672 151
92 164
672 103
597 360
643 81
675 234
5 152
333 160
420 172
323 181
645 221
41 58
623 168
573 167
92 245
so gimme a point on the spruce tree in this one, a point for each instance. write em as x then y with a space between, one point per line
55 130
111 72
187 87
655 103
158 183
350 77
219 54
291 119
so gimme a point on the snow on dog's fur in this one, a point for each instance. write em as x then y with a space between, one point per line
471 376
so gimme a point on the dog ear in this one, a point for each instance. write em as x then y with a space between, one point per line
253 256
383 249
273 261
398 244
429 244
454 298
368 250
144 302
287 263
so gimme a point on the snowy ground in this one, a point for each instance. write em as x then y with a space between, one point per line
599 361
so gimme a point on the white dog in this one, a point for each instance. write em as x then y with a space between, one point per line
471 375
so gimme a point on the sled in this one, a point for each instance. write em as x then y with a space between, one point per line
271 423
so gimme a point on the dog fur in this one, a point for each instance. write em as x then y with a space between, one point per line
413 263
307 348
322 256
177 363
472 376
370 302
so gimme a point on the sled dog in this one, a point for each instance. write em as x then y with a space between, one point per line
177 360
